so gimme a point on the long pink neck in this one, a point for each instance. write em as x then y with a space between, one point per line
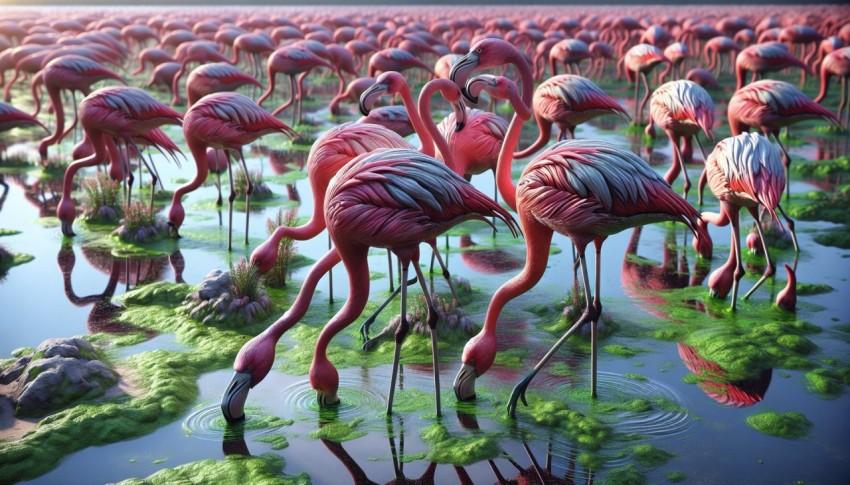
316 224
425 139
824 83
56 102
356 264
302 302
199 154
444 86
99 155
504 181
36 82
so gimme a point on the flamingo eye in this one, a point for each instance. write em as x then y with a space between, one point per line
479 50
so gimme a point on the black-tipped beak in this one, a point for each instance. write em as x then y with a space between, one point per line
172 230
475 85
459 109
233 400
464 385
368 98
459 126
461 71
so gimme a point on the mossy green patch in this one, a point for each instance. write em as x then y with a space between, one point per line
676 476
512 358
158 293
622 350
413 400
635 377
804 289
16 259
624 475
339 432
276 441
461 451
589 432
650 456
829 382
8 232
839 238
265 469
790 425
287 178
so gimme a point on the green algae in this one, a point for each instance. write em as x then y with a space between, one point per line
159 461
622 350
822 168
650 456
408 401
116 340
266 469
624 475
790 425
445 448
828 382
16 259
512 358
676 476
339 432
287 178
8 232
276 440
635 377
589 432
839 238
806 289
158 293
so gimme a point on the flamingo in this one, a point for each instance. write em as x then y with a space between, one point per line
639 60
765 57
214 78
744 171
717 46
351 93
12 117
153 55
395 59
394 118
681 108
254 45
73 73
702 77
571 52
770 105
121 112
568 100
836 63
291 61
225 121
393 199
200 51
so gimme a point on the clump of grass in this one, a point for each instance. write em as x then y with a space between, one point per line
139 223
277 276
101 199
260 191
245 280
234 297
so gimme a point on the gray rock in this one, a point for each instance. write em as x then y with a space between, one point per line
14 371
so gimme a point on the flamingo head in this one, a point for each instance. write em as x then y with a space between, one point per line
485 53
66 212
787 297
265 255
452 93
720 281
176 215
325 380
478 355
387 84
252 365
498 87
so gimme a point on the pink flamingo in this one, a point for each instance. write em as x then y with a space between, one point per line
351 93
163 76
638 61
681 108
291 61
702 77
568 100
254 45
744 171
836 63
415 198
154 56
128 114
765 57
717 46
215 78
11 117
225 121
394 118
200 51
72 73
342 60
571 52
770 105
395 59
601 52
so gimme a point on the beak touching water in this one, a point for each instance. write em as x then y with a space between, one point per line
233 400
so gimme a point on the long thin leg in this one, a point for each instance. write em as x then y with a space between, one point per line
586 316
390 268
248 190
364 328
790 223
400 333
436 253
769 269
736 246
330 275
786 162
645 97
230 200
432 326
597 312
635 116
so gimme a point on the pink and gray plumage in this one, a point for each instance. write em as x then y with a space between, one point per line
765 57
214 78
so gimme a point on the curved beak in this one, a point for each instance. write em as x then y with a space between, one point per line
474 86
459 109
461 71
464 384
368 98
233 400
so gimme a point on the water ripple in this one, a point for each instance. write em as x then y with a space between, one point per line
209 424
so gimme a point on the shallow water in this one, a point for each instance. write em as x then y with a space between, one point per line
711 442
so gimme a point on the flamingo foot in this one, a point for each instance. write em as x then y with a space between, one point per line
519 394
